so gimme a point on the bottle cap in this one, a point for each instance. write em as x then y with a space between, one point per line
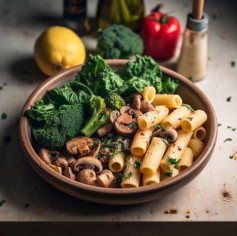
197 25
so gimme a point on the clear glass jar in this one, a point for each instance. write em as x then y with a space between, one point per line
193 58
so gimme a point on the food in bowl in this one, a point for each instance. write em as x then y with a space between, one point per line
131 130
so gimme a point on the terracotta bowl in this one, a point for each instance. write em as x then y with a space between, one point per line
189 93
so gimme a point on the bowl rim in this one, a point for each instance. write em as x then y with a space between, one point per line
42 88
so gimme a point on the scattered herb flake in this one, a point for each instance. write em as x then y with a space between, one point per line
126 163
173 161
219 125
168 174
156 127
137 163
4 116
163 129
128 175
228 139
0 87
231 157
165 141
228 99
132 125
2 202
190 118
96 143
233 129
232 63
190 78
229 127
189 107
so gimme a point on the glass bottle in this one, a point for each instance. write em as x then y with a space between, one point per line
75 16
125 12
192 62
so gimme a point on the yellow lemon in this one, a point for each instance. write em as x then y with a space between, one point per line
58 48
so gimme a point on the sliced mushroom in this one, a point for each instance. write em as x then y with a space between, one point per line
135 113
95 150
87 163
69 173
125 118
124 130
105 178
55 154
81 145
113 116
105 129
146 106
71 160
60 161
87 176
124 109
56 168
137 101
169 134
45 155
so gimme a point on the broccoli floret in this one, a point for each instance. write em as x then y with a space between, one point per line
115 101
100 116
118 41
59 128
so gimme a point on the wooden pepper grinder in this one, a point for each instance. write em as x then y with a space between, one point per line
193 58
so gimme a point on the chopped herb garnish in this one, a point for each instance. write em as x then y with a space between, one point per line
229 127
0 87
168 174
228 99
190 78
2 202
137 163
132 125
165 141
219 125
96 143
231 157
4 116
128 175
163 129
189 107
232 63
233 129
156 127
190 118
173 161
228 139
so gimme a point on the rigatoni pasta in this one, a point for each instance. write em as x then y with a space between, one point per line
168 100
176 150
131 174
197 147
152 118
175 117
186 160
149 94
153 156
116 163
199 133
193 121
151 179
141 142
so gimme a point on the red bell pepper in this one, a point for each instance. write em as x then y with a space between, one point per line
160 34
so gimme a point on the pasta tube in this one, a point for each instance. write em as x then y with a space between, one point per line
152 179
168 100
152 118
116 163
186 159
153 157
197 147
175 117
195 120
131 174
141 142
199 133
149 94
176 150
